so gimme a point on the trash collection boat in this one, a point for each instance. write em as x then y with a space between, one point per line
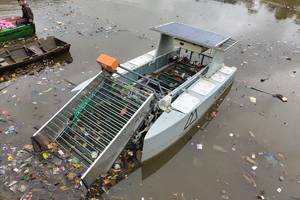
22 55
23 31
155 98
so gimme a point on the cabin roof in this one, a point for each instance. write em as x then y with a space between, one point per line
195 35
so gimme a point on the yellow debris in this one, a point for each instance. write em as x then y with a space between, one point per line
45 155
76 165
10 157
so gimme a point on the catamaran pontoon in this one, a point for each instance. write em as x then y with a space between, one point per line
156 98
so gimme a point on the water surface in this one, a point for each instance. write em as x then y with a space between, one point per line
268 31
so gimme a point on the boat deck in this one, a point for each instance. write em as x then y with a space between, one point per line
175 73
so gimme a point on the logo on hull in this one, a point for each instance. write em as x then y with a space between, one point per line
192 118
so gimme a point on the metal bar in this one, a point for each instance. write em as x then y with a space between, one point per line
107 157
99 111
144 94
74 140
261 91
112 95
100 96
122 94
79 134
140 75
111 100
95 95
168 76
65 106
49 128
123 99
96 132
100 128
112 111
70 137
97 118
121 83
119 90
152 90
186 70
102 122
93 143
119 123
77 151
132 80
163 83
191 55
70 148
187 83
102 119
119 102
83 149
202 59
66 147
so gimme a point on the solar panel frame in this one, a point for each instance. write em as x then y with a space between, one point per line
191 34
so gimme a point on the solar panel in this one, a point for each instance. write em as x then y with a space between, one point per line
192 34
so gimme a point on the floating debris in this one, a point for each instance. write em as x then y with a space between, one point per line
260 197
270 158
281 178
48 90
219 148
293 74
252 100
279 190
45 155
250 160
233 147
26 167
264 79
288 58
251 134
199 146
250 180
278 96
224 195
11 130
59 23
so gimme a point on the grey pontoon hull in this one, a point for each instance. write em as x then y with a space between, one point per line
170 127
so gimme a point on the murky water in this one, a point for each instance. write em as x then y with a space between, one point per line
268 31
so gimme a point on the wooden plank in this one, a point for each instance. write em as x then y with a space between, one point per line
36 50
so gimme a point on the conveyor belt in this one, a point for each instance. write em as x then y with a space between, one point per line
96 125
